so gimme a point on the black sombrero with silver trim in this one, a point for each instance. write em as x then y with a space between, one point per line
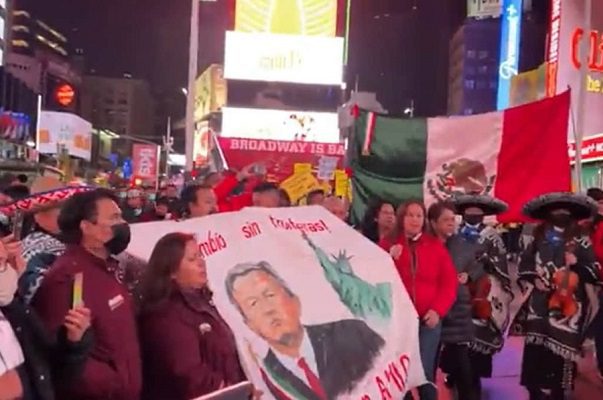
488 204
579 205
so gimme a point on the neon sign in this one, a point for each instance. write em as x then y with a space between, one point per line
553 49
595 54
509 50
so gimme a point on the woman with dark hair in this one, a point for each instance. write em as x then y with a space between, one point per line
188 349
430 279
379 220
557 274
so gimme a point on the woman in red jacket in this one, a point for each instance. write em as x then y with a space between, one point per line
188 349
430 278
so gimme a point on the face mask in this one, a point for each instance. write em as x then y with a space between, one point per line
474 219
8 285
121 239
561 220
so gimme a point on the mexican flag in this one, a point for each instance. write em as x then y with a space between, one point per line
515 155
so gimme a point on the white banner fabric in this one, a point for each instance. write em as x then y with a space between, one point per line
314 306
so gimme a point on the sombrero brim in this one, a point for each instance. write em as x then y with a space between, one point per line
580 206
39 201
488 204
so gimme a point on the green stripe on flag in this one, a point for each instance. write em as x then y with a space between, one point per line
395 169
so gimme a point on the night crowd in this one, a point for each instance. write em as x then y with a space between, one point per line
80 320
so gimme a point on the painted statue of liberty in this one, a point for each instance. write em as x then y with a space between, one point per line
363 299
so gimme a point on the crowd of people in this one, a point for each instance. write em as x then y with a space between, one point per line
80 320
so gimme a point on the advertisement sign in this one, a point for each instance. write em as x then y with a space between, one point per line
528 86
202 138
510 36
302 274
145 158
58 129
292 17
255 123
210 91
484 8
592 149
284 58
567 34
280 157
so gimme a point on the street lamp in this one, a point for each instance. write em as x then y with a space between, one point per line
184 91
190 91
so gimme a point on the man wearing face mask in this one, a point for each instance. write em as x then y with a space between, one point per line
483 244
95 232
134 207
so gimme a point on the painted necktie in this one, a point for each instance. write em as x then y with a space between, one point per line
312 379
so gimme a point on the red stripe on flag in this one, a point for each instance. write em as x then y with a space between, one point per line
368 134
533 158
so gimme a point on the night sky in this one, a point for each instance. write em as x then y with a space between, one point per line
149 39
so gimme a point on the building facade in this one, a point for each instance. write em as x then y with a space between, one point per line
122 105
474 53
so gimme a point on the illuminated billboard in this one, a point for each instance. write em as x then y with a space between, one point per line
567 35
284 58
291 17
510 36
252 123
210 92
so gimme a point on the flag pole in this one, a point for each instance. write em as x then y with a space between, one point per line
580 109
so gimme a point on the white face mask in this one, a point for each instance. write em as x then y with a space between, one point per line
9 280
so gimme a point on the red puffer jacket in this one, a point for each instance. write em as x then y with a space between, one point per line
427 272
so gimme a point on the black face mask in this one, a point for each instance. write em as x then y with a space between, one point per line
121 239
561 220
474 219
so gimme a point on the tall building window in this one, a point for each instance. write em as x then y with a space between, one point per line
482 54
469 84
471 54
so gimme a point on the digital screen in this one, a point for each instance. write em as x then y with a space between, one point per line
251 123
284 58
291 17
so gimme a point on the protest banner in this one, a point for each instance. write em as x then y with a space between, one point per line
299 185
317 310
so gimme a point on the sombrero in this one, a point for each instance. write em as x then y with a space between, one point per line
579 205
46 192
488 204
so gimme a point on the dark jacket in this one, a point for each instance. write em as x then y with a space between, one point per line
188 349
345 352
458 326
113 370
48 360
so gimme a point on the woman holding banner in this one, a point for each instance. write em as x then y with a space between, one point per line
430 278
188 349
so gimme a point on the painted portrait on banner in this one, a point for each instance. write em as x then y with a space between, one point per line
318 311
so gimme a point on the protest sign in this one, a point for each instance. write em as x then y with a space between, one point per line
317 310
299 185
302 168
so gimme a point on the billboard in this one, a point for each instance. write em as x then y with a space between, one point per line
510 36
568 33
280 157
292 17
145 161
284 58
528 87
484 8
210 91
252 123
201 143
64 129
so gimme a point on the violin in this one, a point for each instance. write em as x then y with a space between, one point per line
565 281
480 290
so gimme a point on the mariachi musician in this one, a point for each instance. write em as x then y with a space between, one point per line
491 294
557 274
